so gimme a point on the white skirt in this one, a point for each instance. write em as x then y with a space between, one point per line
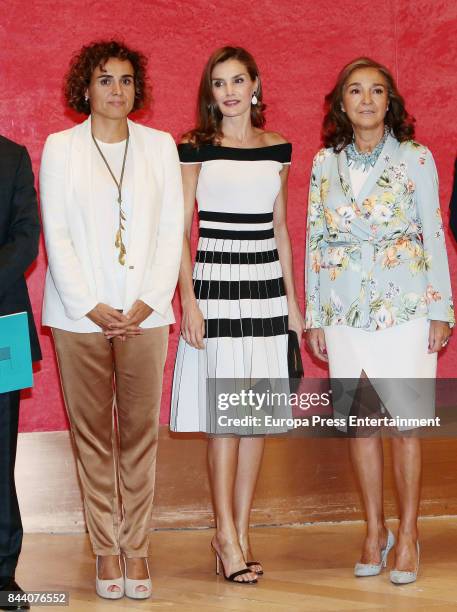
388 357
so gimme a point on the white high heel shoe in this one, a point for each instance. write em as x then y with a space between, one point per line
402 577
102 586
131 585
373 569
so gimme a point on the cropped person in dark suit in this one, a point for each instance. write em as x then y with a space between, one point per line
453 205
19 234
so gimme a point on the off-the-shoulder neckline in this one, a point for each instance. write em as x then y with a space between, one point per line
281 144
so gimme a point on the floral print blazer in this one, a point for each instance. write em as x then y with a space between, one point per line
377 260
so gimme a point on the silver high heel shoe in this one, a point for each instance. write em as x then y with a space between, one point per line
373 569
402 577
131 585
102 586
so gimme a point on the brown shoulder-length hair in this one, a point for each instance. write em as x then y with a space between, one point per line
337 130
209 117
97 53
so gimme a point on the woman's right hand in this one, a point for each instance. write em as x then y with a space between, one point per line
193 326
315 339
104 315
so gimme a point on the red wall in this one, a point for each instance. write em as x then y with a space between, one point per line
299 46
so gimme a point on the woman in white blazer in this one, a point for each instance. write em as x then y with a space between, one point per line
112 208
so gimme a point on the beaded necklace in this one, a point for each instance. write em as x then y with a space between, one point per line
365 160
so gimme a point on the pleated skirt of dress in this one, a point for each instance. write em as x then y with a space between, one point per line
240 290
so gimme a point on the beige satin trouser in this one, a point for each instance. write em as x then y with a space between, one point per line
112 392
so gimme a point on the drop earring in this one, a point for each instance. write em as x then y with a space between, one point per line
254 99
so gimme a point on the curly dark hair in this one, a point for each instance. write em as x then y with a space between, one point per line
209 117
337 130
97 53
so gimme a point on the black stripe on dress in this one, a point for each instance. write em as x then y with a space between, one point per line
207 232
188 154
224 217
239 290
240 328
235 258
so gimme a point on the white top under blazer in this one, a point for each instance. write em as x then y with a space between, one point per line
105 195
74 280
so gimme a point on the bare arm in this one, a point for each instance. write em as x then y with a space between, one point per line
296 322
192 324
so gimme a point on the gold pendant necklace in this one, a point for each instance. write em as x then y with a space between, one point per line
118 242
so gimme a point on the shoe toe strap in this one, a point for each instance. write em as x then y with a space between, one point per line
239 573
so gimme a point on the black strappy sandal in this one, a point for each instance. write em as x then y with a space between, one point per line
251 563
232 577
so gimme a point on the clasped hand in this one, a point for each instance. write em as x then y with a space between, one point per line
115 324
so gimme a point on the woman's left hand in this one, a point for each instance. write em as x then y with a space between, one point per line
131 326
296 320
438 336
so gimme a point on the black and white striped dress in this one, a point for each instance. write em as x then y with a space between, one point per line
238 284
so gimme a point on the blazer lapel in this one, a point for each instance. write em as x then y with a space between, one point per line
345 179
361 224
390 148
82 162
142 235
141 194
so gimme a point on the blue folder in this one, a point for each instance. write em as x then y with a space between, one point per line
15 357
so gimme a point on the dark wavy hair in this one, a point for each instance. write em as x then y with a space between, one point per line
337 130
209 117
97 53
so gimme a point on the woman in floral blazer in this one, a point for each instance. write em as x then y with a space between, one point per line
378 293
377 260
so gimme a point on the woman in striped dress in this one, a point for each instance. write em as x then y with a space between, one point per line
240 301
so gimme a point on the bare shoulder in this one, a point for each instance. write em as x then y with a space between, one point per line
274 138
187 137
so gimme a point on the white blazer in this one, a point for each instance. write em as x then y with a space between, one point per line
73 279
